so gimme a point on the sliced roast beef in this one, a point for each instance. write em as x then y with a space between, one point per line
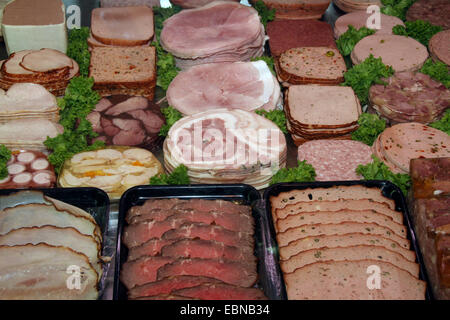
208 249
150 248
231 272
143 270
221 291
210 232
168 285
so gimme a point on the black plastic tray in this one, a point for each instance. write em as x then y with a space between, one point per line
92 200
245 194
388 189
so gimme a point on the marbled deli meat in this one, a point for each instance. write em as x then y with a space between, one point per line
409 96
226 146
113 169
234 85
218 32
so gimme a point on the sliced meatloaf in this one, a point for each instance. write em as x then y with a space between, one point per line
325 217
343 240
345 280
362 204
292 234
348 254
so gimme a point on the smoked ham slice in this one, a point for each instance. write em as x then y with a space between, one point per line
234 85
189 4
217 32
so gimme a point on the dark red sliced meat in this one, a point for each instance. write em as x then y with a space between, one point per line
208 249
231 272
152 205
221 291
150 248
137 234
164 297
223 206
210 232
167 285
142 271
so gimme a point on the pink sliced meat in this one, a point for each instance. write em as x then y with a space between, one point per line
150 248
335 160
230 272
143 270
159 208
108 127
221 291
208 249
188 4
132 103
133 137
103 105
210 232
151 121
168 285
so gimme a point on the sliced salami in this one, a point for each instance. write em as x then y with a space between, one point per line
335 160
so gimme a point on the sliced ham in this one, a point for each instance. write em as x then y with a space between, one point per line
189 4
239 85
222 31
45 60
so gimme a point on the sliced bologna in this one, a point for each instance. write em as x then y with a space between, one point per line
45 60
335 160
400 52
406 141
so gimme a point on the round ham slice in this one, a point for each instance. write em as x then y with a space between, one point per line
400 52
440 46
360 19
217 27
236 85
403 142
189 4
335 160
434 11
46 60
12 67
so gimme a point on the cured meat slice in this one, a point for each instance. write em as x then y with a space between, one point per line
230 272
315 217
410 97
400 52
293 234
360 19
235 85
335 160
129 26
210 232
142 271
438 46
343 240
434 11
324 205
168 285
150 248
34 272
347 280
207 249
347 254
403 142
221 291
45 60
219 27
189 4
27 98
226 146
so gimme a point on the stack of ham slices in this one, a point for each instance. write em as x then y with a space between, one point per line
218 32
410 97
335 160
127 121
226 146
28 169
397 145
41 240
27 100
294 9
48 67
189 4
328 237
127 26
309 115
235 85
199 249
